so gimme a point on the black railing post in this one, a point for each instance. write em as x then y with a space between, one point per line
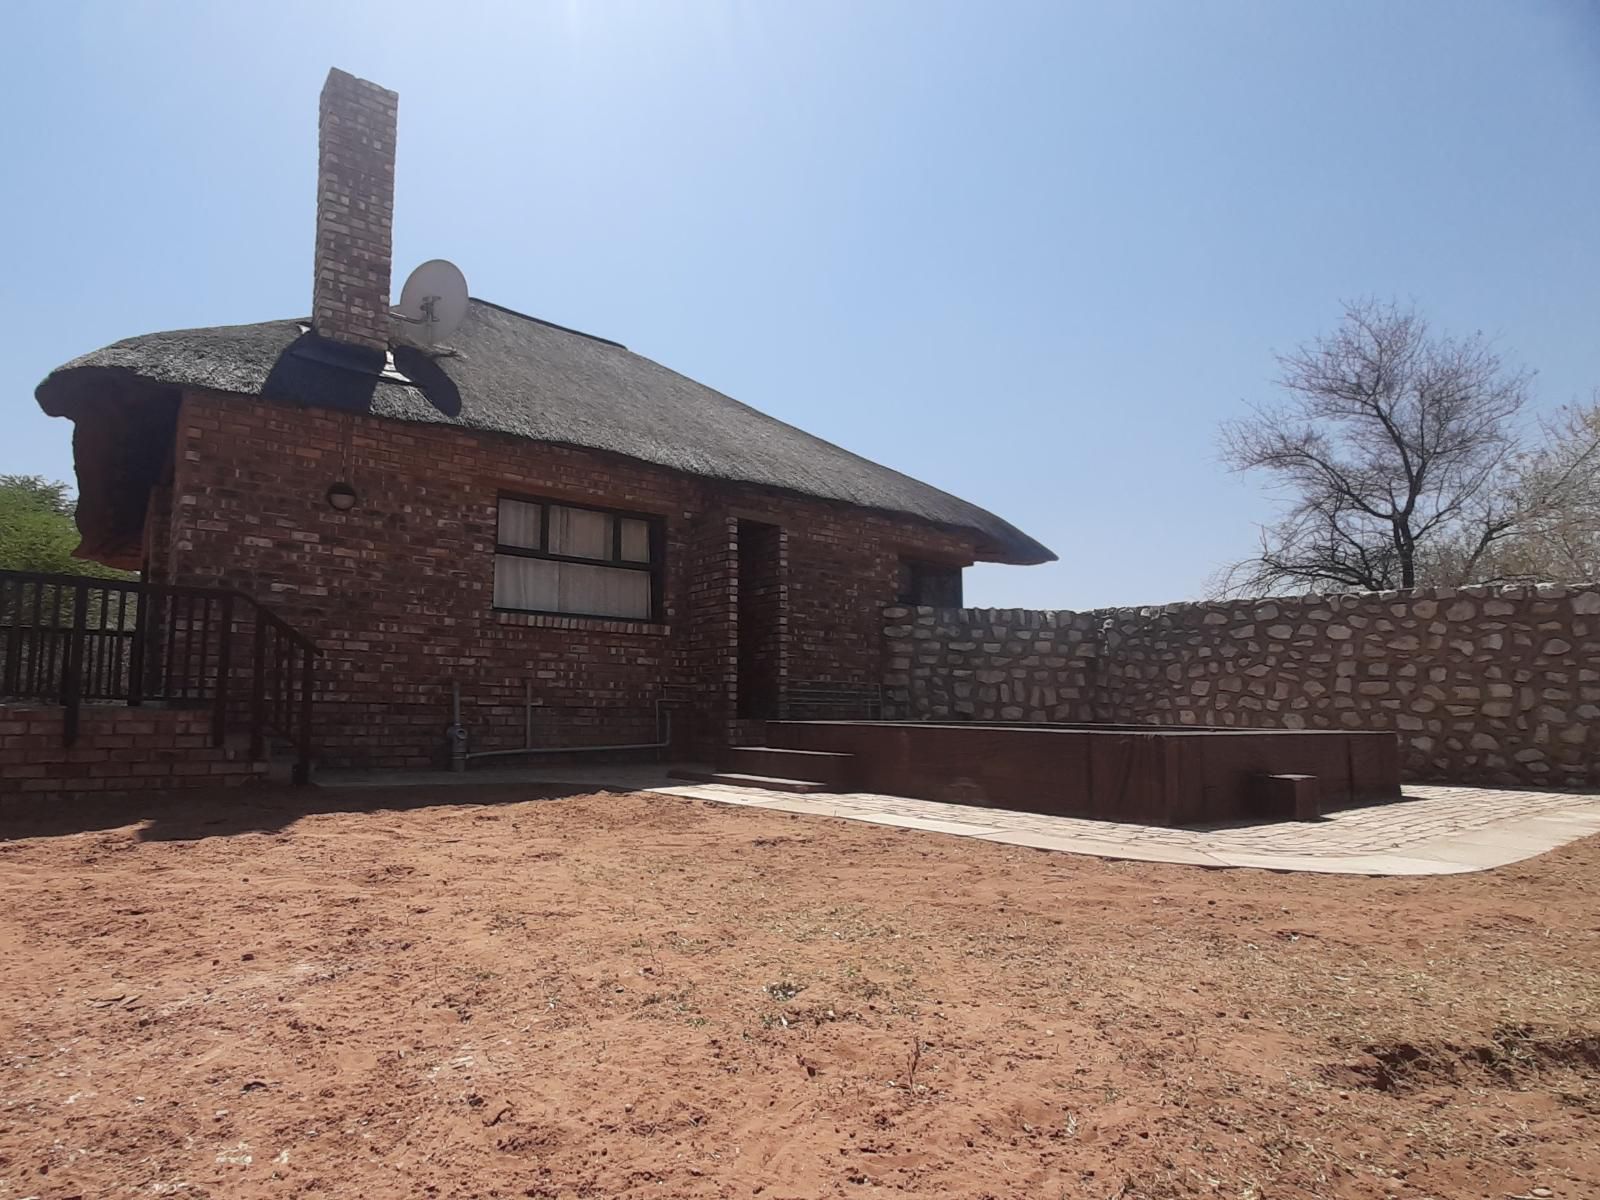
36 659
11 683
72 671
170 637
219 713
258 689
141 634
52 653
302 768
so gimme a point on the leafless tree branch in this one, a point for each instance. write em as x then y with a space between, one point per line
1400 461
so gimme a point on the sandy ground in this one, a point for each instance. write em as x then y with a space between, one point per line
613 995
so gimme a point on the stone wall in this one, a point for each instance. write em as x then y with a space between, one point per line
992 664
1495 685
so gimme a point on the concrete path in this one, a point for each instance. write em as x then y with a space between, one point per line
1432 831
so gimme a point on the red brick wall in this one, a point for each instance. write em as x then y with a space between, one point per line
118 750
398 591
355 211
157 557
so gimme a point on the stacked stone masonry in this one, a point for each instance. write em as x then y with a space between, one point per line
1482 684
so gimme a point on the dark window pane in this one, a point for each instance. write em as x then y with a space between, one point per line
933 584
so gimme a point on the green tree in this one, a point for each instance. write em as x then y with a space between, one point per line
36 529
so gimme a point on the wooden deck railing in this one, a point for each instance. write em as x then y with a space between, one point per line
67 639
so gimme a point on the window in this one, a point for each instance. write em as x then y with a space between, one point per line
929 583
554 558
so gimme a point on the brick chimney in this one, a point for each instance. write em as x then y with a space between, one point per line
355 211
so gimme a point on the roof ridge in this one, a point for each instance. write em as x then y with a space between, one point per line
593 337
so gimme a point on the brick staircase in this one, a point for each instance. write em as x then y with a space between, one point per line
783 770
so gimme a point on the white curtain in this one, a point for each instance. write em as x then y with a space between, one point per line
579 533
546 586
635 540
541 585
525 583
519 524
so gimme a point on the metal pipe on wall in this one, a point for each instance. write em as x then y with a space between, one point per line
457 733
460 757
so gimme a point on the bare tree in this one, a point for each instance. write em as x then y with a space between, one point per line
1552 504
1399 456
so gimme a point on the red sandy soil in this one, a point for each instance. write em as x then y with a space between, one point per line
610 995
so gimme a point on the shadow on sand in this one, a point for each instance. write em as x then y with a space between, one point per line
208 813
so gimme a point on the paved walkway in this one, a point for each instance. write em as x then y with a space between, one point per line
1432 831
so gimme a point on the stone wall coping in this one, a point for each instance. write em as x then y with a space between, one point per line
899 613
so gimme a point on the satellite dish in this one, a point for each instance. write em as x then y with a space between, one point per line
433 301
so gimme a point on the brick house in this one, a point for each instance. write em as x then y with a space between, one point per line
528 512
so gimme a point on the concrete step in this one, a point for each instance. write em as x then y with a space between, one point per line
819 766
768 783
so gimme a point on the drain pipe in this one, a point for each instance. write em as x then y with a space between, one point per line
457 733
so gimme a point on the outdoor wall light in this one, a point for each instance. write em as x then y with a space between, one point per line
342 497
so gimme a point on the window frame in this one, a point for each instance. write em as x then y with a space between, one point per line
656 540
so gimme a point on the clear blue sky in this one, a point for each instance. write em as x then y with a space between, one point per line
1030 253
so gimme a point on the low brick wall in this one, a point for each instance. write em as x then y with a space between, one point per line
118 750
1483 685
1144 773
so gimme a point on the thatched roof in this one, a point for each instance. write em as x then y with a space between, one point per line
517 375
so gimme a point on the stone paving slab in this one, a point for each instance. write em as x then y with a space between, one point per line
1432 830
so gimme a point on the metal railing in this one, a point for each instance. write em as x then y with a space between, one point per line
823 700
582 729
67 639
